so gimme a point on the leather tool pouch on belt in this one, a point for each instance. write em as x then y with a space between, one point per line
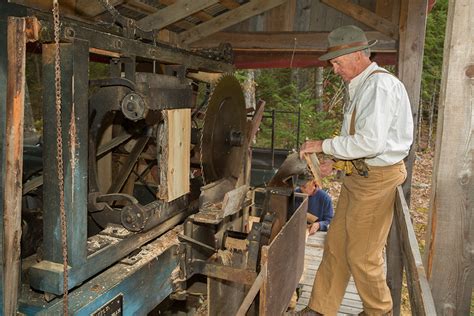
347 167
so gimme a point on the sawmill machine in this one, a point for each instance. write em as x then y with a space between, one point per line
140 180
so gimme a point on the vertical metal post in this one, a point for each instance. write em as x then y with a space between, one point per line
74 68
319 88
298 128
273 138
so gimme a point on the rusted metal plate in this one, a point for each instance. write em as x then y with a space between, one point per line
285 261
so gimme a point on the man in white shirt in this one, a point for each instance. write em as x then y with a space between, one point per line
377 131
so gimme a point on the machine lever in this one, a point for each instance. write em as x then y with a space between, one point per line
196 242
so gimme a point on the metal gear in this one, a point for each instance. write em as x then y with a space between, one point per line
223 132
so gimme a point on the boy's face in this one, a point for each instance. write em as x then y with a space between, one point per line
309 187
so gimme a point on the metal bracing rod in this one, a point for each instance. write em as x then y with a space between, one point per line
127 169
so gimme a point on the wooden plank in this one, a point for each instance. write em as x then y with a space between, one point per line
280 18
394 267
283 270
227 19
93 8
252 293
174 163
410 65
420 293
450 234
148 9
12 184
230 4
383 8
313 164
203 16
365 16
173 13
285 41
303 14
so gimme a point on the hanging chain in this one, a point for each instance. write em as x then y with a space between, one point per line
59 154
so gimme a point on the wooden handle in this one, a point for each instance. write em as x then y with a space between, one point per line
313 164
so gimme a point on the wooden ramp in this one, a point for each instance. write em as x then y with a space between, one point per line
351 304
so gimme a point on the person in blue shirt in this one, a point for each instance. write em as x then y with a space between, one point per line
319 204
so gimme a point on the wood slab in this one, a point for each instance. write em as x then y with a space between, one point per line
175 158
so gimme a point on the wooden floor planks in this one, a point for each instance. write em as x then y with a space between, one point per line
351 304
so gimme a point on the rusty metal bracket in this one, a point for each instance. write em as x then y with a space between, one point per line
212 270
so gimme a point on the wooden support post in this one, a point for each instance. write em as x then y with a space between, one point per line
395 267
410 65
19 32
450 236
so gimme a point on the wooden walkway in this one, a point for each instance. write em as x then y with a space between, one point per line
351 304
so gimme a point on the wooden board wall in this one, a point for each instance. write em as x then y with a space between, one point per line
174 163
303 15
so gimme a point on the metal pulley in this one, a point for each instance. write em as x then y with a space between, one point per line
134 107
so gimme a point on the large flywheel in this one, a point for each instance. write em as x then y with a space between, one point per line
223 132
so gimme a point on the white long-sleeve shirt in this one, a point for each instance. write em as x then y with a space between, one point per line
383 122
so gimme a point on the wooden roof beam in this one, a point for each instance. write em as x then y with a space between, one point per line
203 16
227 19
173 13
365 16
286 41
93 8
230 4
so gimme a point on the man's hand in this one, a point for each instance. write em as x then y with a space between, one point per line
325 167
311 146
313 228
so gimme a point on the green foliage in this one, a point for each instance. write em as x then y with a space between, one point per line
433 51
277 88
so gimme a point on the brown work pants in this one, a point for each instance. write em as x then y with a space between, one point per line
355 242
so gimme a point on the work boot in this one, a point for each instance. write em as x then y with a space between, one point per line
390 313
307 312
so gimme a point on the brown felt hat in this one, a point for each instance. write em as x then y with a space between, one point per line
345 40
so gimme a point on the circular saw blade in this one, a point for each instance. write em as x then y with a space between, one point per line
225 120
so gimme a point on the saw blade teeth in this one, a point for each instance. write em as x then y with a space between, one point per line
200 142
213 85
213 167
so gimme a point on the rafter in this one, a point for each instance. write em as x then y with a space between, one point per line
173 13
185 25
230 4
286 41
148 9
93 8
227 19
365 16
